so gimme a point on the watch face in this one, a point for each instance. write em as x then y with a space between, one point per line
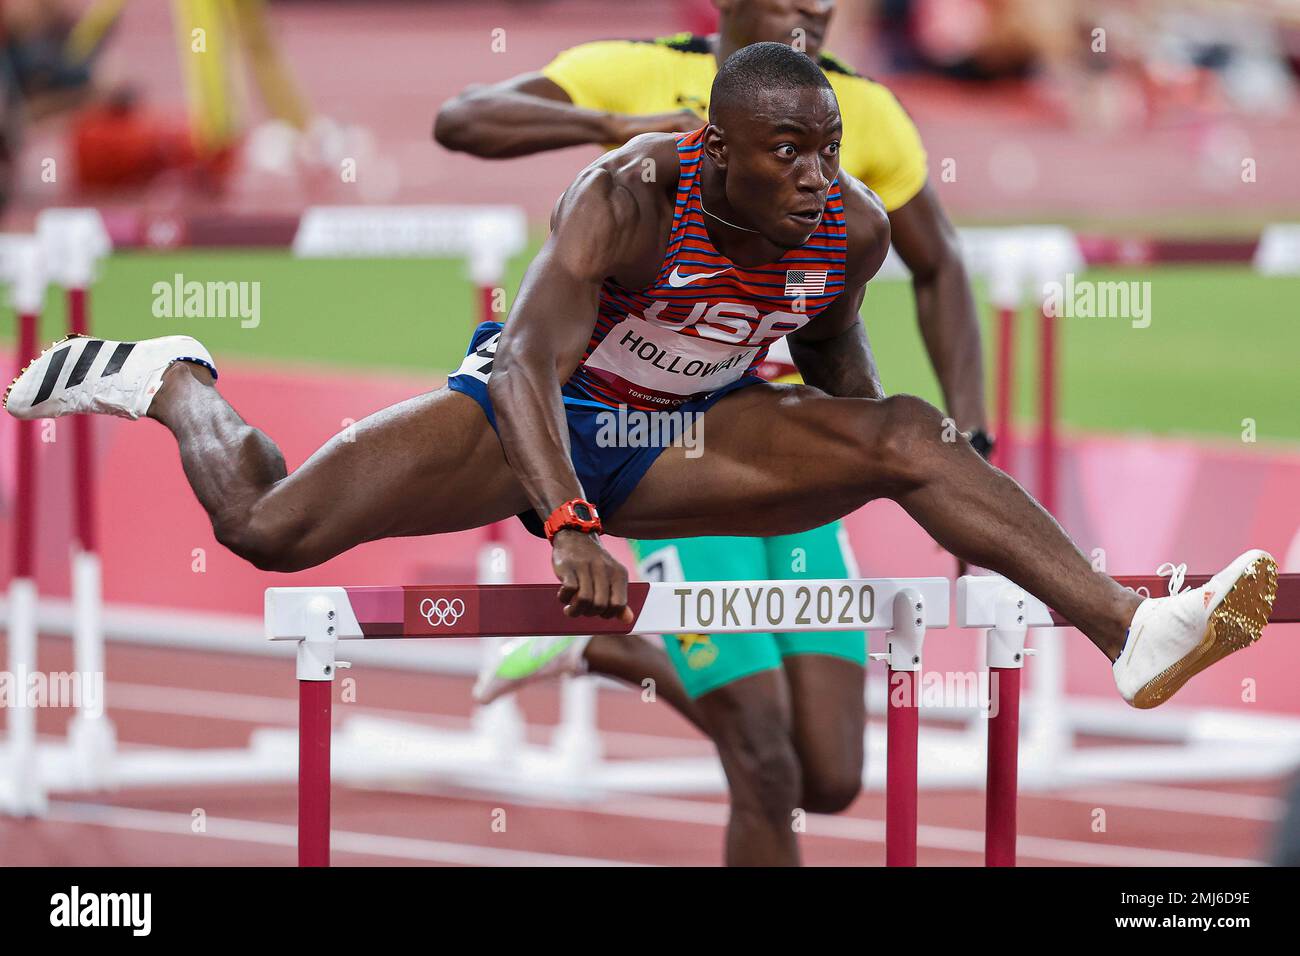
581 511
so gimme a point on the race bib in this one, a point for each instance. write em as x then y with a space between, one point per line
655 362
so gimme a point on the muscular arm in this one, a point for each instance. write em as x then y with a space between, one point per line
532 114
832 351
606 224
602 226
527 114
548 330
945 307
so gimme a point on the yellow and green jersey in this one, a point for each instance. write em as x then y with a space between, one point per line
881 146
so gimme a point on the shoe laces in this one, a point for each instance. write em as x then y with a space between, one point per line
1175 572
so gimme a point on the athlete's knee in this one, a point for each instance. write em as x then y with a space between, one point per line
265 540
904 441
762 766
771 787
833 788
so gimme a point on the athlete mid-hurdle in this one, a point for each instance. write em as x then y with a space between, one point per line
621 307
785 710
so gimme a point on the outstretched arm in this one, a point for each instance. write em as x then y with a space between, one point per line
531 114
595 224
548 330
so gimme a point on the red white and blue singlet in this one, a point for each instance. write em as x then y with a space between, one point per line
673 349
705 321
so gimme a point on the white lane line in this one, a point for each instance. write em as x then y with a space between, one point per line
283 712
210 704
228 705
1210 803
651 808
867 830
281 834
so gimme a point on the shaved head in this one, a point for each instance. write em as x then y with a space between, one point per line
756 70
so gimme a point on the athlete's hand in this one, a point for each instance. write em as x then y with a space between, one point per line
624 127
592 583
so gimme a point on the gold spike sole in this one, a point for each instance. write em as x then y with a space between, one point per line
1237 622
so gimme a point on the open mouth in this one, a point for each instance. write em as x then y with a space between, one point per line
809 217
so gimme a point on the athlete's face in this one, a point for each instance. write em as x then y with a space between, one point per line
802 23
780 158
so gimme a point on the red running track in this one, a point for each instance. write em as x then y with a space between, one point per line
192 699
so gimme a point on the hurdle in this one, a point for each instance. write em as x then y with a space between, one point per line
905 608
73 242
20 791
64 253
318 618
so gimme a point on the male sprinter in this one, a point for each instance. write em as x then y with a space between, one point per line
603 318
729 685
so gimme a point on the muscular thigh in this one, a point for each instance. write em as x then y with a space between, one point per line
776 459
747 718
814 705
427 465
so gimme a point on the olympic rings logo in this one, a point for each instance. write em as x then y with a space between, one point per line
441 611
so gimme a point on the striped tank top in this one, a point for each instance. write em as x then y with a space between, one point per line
705 321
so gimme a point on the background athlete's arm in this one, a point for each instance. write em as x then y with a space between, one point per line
945 306
832 351
595 223
531 114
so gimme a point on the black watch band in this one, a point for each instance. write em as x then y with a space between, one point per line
981 442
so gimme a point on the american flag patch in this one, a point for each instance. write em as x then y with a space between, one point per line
798 282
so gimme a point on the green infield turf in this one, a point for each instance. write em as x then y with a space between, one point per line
1221 346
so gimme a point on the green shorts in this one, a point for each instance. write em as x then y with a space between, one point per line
706 662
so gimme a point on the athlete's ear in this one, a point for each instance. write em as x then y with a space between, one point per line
715 146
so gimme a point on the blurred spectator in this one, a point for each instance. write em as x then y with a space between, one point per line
45 67
1112 62
50 68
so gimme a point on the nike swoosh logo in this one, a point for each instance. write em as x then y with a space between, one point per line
677 280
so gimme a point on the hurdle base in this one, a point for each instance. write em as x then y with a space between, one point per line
21 795
93 742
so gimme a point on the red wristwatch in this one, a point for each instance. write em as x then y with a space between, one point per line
577 514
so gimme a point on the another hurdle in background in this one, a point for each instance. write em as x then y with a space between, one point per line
66 248
318 618
65 251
